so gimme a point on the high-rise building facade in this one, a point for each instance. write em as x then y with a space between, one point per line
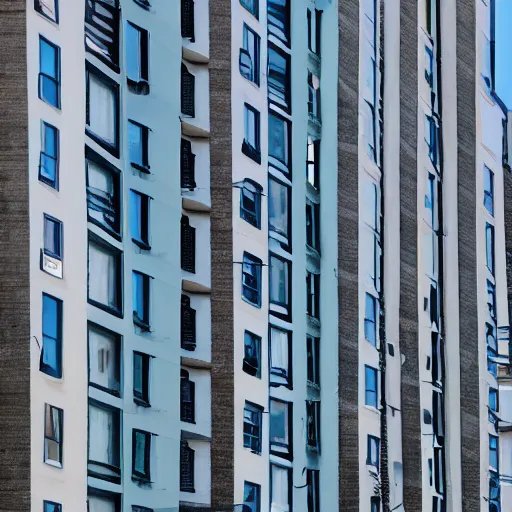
306 206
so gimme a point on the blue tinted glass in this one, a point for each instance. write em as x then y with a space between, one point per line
50 316
48 168
370 379
52 236
503 70
50 140
137 294
48 56
135 143
370 307
52 507
135 215
132 52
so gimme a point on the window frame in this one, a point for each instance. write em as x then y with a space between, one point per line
57 439
55 373
280 373
60 230
247 367
374 392
92 157
276 308
255 11
57 80
285 239
489 194
313 487
369 321
252 152
257 496
144 241
317 24
313 369
142 166
289 481
313 295
186 380
314 97
373 442
57 507
113 149
137 476
44 152
118 255
313 413
273 92
284 166
142 398
118 339
245 50
287 452
141 85
313 178
249 438
283 35
313 225
494 452
116 471
143 323
253 218
40 9
253 262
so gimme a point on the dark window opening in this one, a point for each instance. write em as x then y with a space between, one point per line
188 246
252 427
51 353
438 416
489 190
141 455
313 485
188 19
313 163
102 31
491 300
251 142
53 435
249 59
137 58
49 156
313 425
139 219
314 31
252 354
187 165
280 357
52 236
138 146
188 84
187 456
314 108
188 397
313 225
141 299
313 360
250 202
141 379
251 279
437 358
188 325
49 72
489 246
313 295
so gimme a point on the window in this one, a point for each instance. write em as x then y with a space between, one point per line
313 484
139 219
137 58
53 435
431 15
188 396
49 156
431 200
486 59
104 359
369 130
188 19
251 279
313 294
187 458
370 73
437 357
279 139
375 504
372 456
141 379
51 256
279 19
369 9
102 110
492 348
51 506
493 399
280 286
104 276
104 442
141 299
370 320
51 353
280 357
252 427
141 455
187 165
313 163
314 31
250 202
313 361
49 72
313 225
252 497
252 6
102 501
188 88
313 425
493 452
281 489
489 190
489 245
494 492
188 324
136 508
429 66
49 9
491 299
279 85
281 421
103 193
249 60
251 143
438 415
102 31
314 96
371 386
188 246
431 138
138 146
252 354
279 205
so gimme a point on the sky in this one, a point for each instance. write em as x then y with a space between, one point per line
503 58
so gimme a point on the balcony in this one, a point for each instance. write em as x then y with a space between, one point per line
195 30
195 100
195 174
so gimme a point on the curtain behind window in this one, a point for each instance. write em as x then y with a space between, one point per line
279 350
100 504
103 362
280 501
102 114
102 276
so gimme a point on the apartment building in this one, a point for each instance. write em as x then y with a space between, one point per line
333 331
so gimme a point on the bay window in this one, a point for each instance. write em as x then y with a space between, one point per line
104 359
280 357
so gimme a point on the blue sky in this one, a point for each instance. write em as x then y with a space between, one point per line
503 59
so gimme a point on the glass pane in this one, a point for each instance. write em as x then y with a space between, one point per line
52 236
102 275
278 207
278 138
49 91
135 143
278 422
102 110
104 359
133 42
140 452
137 373
136 215
48 56
50 317
101 429
50 140
138 295
278 281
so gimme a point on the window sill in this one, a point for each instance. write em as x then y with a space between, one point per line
141 168
112 392
189 347
250 152
143 245
51 373
255 304
53 463
188 422
115 312
112 149
141 480
144 326
140 402
105 228
143 3
139 87
187 489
